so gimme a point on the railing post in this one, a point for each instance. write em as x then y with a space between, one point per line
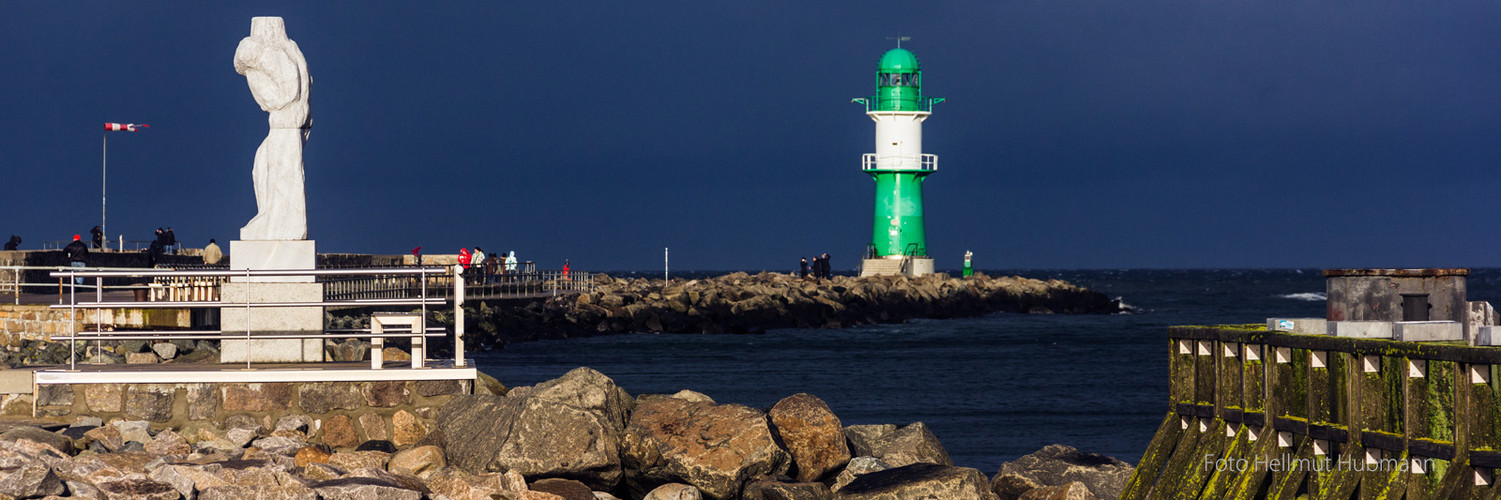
458 316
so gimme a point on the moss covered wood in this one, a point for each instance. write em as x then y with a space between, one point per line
1178 464
1255 482
1417 400
1221 479
1181 366
1288 481
1149 468
1204 372
1290 394
1229 393
1253 377
1210 448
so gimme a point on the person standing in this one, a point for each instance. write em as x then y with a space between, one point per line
77 254
212 254
98 237
802 267
492 267
511 262
171 242
565 270
464 258
14 243
478 259
828 271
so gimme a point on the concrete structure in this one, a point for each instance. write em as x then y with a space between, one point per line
899 167
1397 294
1421 305
1362 329
1428 331
1306 326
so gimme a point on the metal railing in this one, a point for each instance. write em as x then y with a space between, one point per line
478 285
908 254
873 104
109 245
422 300
925 163
16 280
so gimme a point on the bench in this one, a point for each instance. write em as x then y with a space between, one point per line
378 323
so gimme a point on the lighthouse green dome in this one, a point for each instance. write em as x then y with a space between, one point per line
898 60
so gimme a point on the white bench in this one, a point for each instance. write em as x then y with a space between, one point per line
378 323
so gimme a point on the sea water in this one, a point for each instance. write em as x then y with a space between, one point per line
991 388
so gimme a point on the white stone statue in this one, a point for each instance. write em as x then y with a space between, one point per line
278 78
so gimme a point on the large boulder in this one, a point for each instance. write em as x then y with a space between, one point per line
456 484
715 448
776 490
857 467
919 480
565 428
1071 491
812 434
566 488
60 442
674 491
1059 465
23 475
909 444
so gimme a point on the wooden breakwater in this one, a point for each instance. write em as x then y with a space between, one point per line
1263 414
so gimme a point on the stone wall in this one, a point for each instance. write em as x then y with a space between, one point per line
1254 412
344 414
20 323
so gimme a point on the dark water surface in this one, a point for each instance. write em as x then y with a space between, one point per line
992 388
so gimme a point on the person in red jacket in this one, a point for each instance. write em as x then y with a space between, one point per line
464 257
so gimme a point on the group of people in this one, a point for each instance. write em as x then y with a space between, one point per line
165 242
477 264
820 267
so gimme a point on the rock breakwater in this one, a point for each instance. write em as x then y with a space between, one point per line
575 437
745 303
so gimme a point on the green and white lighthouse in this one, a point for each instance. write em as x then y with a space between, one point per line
899 241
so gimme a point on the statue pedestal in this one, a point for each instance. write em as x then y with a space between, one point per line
263 255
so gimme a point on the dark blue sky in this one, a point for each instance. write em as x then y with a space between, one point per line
1086 134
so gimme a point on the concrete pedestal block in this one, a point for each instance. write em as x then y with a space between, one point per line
273 254
1488 336
1361 329
271 320
884 266
1305 326
1428 331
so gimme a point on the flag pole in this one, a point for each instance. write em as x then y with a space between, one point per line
103 190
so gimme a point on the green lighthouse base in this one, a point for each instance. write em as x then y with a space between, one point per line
896 265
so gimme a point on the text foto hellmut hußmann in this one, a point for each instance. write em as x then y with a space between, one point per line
1289 463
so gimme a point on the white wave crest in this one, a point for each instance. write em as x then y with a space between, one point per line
1308 296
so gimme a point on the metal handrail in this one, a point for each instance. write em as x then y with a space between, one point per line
873 104
925 162
13 280
98 304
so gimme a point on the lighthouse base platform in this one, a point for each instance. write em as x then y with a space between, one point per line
896 265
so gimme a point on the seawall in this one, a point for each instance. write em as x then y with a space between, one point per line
1261 414
745 303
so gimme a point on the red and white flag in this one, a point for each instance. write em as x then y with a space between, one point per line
128 127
